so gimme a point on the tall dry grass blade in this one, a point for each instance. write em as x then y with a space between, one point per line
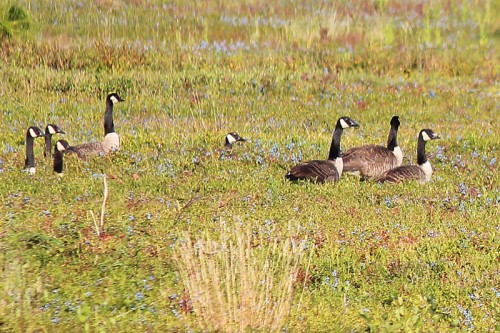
100 227
96 225
306 275
104 200
239 282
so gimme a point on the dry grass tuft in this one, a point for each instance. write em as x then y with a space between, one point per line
235 285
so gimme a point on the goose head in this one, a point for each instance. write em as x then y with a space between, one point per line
428 135
346 122
62 145
231 138
53 129
34 132
114 98
395 122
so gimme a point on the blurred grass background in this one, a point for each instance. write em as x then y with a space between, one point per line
380 258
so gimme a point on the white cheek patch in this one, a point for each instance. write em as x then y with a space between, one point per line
231 139
114 99
343 124
52 130
426 136
60 146
33 133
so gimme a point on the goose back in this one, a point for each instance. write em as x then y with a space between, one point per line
111 140
403 173
421 172
370 160
321 171
317 171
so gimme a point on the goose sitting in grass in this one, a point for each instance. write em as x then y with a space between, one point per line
29 163
50 130
230 139
111 138
321 171
372 160
421 172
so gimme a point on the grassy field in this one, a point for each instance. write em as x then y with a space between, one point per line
197 243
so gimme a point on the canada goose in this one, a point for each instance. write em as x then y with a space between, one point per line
111 138
373 160
421 172
230 139
32 133
60 147
320 171
50 130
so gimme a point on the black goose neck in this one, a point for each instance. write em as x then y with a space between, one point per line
30 154
58 161
335 145
109 126
48 144
421 157
392 140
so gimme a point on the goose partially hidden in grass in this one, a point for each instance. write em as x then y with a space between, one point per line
60 148
29 163
230 140
111 138
371 161
421 172
321 171
50 130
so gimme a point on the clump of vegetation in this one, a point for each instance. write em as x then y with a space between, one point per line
238 282
15 20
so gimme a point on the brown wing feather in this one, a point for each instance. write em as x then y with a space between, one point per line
402 173
370 160
318 171
88 149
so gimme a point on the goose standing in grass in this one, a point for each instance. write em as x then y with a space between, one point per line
320 171
421 172
61 147
111 138
230 140
50 130
372 160
32 133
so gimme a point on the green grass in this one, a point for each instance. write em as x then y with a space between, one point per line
383 258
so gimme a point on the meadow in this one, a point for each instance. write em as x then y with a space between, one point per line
192 241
